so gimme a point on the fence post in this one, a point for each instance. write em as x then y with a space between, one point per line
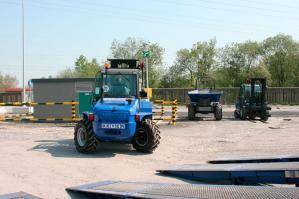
174 110
73 111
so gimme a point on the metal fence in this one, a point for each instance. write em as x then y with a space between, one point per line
274 95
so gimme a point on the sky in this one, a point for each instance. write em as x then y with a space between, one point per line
58 31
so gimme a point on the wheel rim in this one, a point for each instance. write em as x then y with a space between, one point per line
141 137
81 137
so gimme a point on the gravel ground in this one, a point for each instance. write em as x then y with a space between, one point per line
41 159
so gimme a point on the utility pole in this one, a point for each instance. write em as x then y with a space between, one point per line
146 55
23 51
147 80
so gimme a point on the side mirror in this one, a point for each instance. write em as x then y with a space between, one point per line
143 94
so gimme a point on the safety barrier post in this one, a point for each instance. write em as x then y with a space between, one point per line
73 111
162 109
174 110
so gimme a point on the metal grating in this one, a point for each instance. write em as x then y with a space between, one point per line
116 189
222 192
125 187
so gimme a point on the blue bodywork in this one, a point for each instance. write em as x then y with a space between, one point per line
207 94
114 118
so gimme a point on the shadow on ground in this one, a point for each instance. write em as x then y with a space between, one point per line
66 148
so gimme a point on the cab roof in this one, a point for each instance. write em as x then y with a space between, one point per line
132 63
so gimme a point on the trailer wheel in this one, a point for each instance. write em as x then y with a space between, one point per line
218 112
147 137
84 137
191 112
243 113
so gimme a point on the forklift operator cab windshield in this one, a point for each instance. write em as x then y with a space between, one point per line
119 85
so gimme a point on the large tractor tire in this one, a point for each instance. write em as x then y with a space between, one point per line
243 113
147 137
218 112
84 136
191 112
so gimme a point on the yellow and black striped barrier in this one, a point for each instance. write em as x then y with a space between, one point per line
73 117
40 119
172 118
37 103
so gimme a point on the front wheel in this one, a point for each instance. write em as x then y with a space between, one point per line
191 112
147 137
84 137
236 114
218 112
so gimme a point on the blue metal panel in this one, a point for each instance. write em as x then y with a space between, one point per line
289 158
253 173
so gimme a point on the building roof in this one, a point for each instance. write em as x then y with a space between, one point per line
13 90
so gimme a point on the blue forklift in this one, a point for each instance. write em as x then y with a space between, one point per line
120 110
252 100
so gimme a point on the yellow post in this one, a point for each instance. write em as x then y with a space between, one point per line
173 115
73 111
162 109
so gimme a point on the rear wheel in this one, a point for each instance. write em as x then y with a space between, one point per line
252 116
265 116
218 112
147 137
84 137
191 112
243 113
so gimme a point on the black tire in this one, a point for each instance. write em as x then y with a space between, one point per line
265 116
218 112
191 112
89 144
236 115
147 137
243 113
252 116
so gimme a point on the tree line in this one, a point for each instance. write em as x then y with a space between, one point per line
276 58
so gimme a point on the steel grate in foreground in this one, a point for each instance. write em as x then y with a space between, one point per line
118 189
18 195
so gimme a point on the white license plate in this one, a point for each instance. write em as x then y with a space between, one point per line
113 126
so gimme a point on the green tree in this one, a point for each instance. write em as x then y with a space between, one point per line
184 68
132 48
239 61
194 63
8 81
83 68
203 54
281 54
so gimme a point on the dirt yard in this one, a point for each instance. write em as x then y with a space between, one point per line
41 158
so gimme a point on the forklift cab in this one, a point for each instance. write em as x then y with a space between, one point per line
252 100
121 78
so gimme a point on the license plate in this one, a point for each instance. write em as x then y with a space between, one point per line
113 126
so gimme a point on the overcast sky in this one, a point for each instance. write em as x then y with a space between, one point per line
58 31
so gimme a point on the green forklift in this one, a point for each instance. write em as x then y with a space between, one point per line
252 100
